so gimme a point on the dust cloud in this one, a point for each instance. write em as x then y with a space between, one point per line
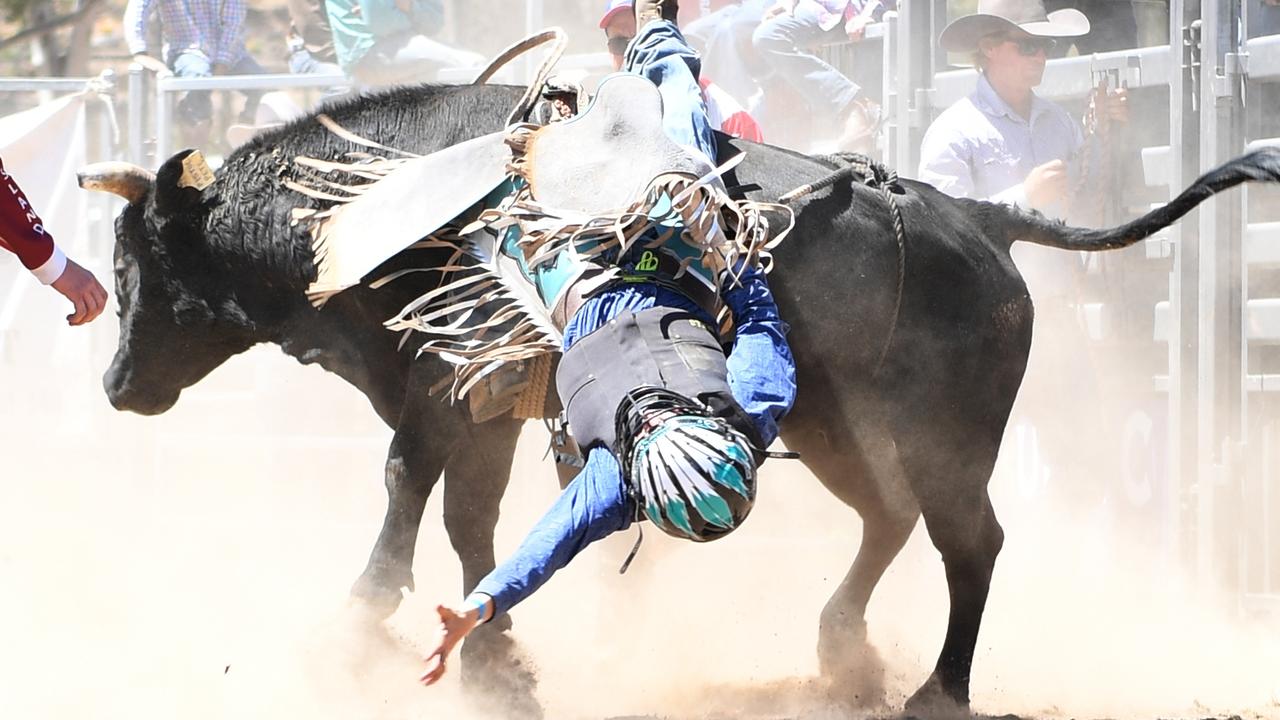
197 564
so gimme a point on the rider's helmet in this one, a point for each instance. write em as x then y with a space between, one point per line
691 472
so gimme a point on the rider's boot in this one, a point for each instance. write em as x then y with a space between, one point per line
650 10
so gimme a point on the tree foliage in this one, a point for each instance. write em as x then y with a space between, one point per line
61 29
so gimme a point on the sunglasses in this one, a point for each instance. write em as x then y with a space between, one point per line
618 45
1030 46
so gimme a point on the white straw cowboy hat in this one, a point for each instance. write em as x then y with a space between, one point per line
1027 16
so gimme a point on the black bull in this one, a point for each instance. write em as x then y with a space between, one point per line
201 276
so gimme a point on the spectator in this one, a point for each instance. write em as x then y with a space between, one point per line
1002 142
723 39
1114 25
310 39
792 28
381 42
23 234
201 38
724 112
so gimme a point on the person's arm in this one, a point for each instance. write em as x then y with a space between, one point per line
230 37
136 14
23 233
762 371
594 506
875 9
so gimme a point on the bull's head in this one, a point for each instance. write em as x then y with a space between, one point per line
179 318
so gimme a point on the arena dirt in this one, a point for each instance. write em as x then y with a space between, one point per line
196 565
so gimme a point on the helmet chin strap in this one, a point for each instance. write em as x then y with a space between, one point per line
634 548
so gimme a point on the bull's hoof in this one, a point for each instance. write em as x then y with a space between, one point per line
850 667
380 592
933 702
497 677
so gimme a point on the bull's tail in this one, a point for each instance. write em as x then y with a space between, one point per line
1019 225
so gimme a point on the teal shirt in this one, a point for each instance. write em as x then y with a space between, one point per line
358 24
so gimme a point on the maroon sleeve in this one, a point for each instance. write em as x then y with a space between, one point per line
21 230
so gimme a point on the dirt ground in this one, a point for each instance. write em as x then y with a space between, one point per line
196 565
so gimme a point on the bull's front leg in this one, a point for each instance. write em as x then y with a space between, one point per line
423 441
475 480
494 670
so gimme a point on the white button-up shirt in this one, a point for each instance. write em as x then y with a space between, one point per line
981 148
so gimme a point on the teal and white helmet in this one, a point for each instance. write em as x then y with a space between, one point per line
691 472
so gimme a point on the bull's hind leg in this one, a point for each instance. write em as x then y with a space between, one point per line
871 481
948 445
969 538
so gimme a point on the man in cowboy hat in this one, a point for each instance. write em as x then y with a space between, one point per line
1003 142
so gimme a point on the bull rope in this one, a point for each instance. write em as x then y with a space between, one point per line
873 175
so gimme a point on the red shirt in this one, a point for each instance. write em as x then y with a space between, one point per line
23 233
726 115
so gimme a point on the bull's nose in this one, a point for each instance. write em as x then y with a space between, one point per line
125 398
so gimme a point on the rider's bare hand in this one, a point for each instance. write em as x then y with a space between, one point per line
454 626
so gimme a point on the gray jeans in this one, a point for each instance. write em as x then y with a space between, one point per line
783 43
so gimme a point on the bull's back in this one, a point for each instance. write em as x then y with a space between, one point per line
876 317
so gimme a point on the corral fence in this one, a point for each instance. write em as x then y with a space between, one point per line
1200 303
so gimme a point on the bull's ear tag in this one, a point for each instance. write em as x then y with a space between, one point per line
195 172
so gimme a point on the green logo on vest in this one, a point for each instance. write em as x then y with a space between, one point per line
648 262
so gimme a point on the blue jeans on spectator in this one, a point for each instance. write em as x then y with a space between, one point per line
197 106
783 44
761 371
302 62
723 39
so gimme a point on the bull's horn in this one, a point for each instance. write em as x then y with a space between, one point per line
124 179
